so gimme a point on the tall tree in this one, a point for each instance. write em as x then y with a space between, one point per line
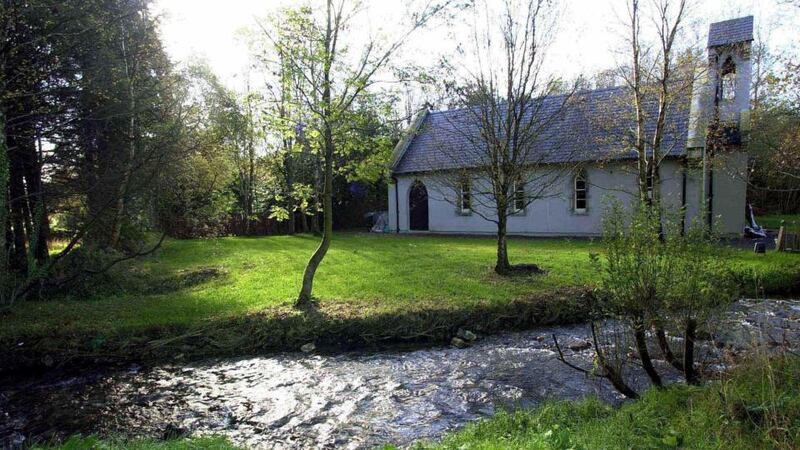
86 96
329 81
653 75
515 105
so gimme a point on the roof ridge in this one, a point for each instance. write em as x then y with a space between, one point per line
750 16
578 92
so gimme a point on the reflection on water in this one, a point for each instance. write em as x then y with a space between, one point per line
346 401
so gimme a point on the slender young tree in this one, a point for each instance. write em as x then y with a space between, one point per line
330 81
653 76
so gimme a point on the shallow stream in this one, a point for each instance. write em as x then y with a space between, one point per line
352 400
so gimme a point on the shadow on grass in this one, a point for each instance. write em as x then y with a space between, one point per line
331 326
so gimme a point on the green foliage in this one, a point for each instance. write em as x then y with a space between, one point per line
656 276
758 406
702 278
652 268
638 266
96 443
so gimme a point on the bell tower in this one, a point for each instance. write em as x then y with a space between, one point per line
729 64
721 98
719 115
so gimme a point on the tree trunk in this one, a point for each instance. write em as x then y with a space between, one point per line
644 354
290 202
502 267
663 344
688 352
4 199
40 231
122 194
305 296
609 372
315 228
17 208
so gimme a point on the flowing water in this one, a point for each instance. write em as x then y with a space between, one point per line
352 400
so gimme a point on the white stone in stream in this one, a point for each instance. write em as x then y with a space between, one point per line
308 348
466 335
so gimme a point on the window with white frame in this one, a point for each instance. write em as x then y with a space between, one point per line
518 199
580 190
649 185
464 195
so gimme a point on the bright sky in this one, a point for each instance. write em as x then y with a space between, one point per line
586 42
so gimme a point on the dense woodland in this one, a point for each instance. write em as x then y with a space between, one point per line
107 143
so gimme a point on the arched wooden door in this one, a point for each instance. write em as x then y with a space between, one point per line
418 207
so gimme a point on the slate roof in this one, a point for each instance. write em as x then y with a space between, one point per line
588 126
731 31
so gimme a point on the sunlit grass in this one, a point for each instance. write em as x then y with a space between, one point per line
361 269
773 221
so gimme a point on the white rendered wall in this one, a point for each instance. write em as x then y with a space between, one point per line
555 215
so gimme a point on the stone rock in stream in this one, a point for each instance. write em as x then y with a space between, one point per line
172 431
457 342
579 346
466 335
308 348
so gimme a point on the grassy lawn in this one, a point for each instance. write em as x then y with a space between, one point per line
189 283
773 221
260 272
758 407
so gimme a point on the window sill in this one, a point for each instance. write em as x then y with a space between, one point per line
580 212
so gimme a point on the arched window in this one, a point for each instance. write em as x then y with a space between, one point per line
728 81
580 192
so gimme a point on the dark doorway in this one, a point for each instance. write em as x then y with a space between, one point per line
418 206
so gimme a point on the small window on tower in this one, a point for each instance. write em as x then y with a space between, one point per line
728 87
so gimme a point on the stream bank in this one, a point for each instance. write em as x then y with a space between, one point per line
350 400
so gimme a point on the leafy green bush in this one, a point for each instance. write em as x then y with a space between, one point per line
656 277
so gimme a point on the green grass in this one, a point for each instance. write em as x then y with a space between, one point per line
190 283
260 272
773 221
758 407
95 443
